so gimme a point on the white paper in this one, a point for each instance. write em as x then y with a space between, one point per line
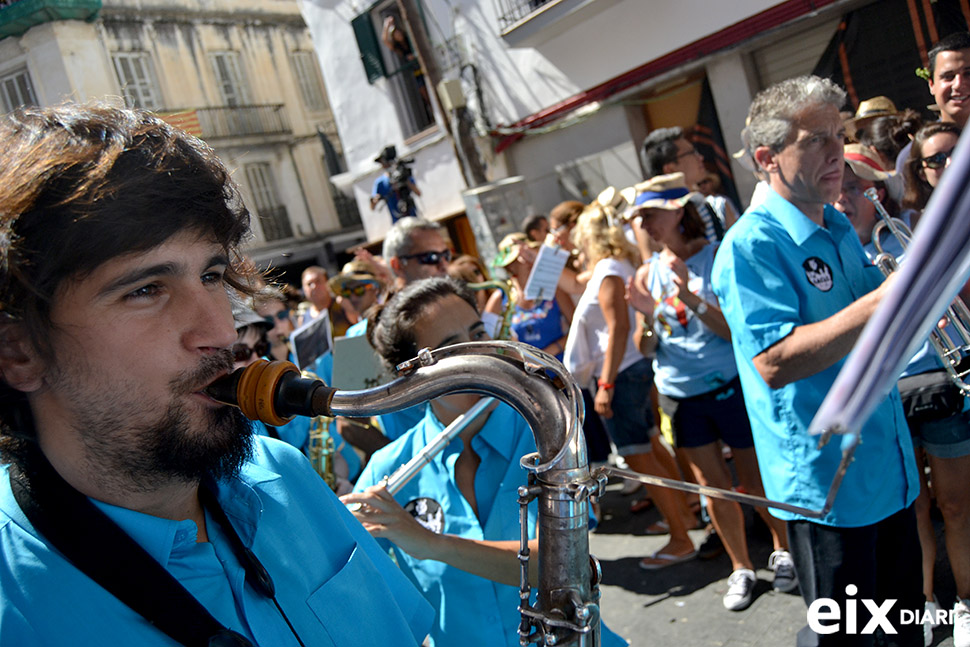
545 273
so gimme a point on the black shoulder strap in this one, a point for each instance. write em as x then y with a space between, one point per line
100 549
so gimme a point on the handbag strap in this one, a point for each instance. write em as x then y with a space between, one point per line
99 548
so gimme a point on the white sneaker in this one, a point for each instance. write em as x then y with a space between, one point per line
780 562
961 623
740 589
932 607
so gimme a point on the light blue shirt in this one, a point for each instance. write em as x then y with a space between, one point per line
777 270
334 582
472 611
297 433
691 358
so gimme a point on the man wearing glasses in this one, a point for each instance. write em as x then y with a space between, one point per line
416 248
667 150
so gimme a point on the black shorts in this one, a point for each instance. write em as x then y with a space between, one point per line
703 419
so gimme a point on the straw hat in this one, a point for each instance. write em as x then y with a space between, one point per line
355 271
865 163
610 197
868 110
663 192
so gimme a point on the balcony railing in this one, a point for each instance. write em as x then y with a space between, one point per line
512 11
230 121
238 121
17 16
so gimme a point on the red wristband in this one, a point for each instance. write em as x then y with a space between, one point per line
604 385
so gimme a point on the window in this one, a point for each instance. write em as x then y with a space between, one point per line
269 209
16 90
233 87
137 80
392 56
308 78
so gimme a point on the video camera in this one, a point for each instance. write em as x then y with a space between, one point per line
399 174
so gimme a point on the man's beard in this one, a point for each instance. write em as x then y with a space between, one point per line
142 457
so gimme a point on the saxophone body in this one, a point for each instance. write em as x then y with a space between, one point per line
537 386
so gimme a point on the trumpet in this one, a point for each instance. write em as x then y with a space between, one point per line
506 288
951 348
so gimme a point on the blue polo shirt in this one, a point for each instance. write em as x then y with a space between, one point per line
472 611
334 582
777 270
691 358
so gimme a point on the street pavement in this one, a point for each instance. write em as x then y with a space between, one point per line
680 606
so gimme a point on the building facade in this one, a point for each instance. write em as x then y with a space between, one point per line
561 93
240 74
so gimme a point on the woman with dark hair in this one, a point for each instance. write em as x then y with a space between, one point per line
457 534
890 134
694 370
928 158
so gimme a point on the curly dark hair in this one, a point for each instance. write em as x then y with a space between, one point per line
83 184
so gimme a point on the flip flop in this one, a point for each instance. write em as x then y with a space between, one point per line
662 560
658 528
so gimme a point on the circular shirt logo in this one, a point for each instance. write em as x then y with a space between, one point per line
818 273
428 513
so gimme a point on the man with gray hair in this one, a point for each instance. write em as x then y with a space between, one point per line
796 289
416 248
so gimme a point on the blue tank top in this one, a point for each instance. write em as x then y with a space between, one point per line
540 326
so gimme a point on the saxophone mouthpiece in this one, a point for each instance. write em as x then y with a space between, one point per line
272 392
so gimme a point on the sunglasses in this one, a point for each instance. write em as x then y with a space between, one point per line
357 289
430 258
282 315
242 352
938 160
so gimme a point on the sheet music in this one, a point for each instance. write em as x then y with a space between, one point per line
312 340
545 273
356 365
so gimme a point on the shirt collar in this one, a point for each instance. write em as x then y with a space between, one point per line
799 226
495 432
161 537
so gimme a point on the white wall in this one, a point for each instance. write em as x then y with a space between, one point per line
605 136
733 90
518 82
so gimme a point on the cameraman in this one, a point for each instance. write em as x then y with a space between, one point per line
395 186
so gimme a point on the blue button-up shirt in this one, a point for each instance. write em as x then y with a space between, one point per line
472 611
335 584
777 270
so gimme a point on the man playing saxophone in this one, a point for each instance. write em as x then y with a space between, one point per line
141 510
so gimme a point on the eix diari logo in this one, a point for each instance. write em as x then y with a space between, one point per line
846 621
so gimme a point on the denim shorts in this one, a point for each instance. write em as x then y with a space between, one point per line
947 438
703 419
631 426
